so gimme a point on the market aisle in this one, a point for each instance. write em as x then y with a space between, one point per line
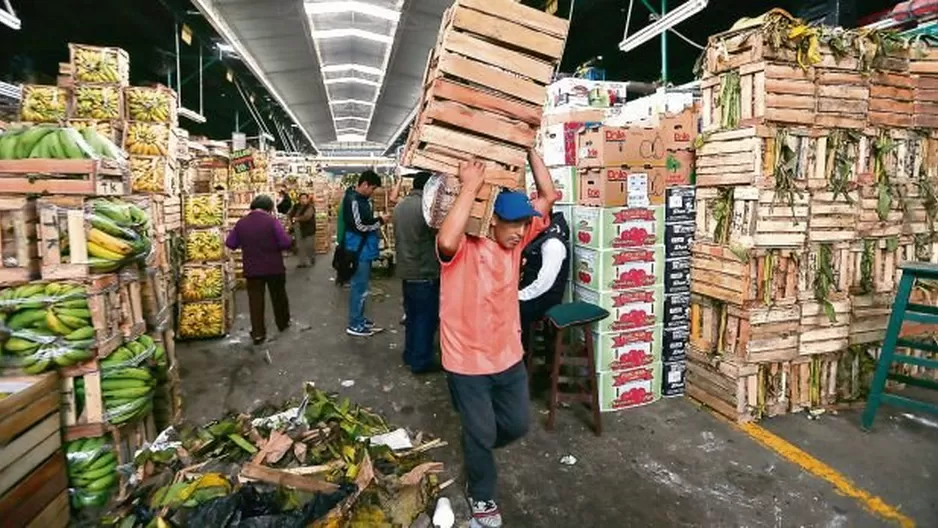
669 464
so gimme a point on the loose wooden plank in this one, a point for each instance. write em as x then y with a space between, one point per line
285 479
513 61
507 32
485 123
485 75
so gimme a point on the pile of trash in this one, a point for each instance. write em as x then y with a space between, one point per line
323 463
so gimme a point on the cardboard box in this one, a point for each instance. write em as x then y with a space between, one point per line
557 116
678 238
673 379
566 182
677 275
628 309
572 92
680 204
681 166
622 186
629 388
604 146
559 144
626 350
675 343
618 269
680 129
618 227
677 310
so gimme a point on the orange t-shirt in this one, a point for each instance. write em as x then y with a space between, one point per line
480 321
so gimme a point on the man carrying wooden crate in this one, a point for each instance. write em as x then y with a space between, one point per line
480 327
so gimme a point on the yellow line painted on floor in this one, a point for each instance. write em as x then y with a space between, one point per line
812 465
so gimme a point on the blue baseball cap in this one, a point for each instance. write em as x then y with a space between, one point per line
513 206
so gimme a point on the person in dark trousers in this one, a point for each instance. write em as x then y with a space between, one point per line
545 268
480 325
262 240
361 239
419 271
285 203
303 216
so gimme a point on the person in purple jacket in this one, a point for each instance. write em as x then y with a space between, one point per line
262 241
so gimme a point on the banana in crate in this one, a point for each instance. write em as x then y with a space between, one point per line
202 319
55 142
43 104
92 471
118 234
204 210
98 102
151 105
47 325
93 64
149 139
200 283
205 245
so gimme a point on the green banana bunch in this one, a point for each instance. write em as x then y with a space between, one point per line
127 385
92 471
117 235
45 142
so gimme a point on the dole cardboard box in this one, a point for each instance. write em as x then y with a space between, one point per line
618 269
676 310
680 204
628 309
625 350
677 275
681 166
604 146
584 92
622 186
673 379
559 144
678 239
675 343
618 227
629 388
680 129
565 182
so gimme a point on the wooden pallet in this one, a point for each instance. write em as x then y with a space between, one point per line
752 335
51 176
40 499
766 277
19 247
756 218
770 93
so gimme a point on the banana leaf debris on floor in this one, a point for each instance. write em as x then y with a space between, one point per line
310 464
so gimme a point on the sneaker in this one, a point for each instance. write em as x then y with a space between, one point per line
403 319
485 514
370 325
359 331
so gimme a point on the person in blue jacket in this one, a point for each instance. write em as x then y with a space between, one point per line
361 238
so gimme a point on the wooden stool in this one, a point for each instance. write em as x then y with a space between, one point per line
579 355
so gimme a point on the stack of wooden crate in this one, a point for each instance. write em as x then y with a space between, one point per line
812 188
485 85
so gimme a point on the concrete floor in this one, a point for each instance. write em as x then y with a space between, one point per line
668 464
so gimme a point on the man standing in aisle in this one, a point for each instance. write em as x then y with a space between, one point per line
419 270
480 327
303 217
361 241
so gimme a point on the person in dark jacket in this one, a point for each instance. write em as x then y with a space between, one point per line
419 270
262 240
285 203
303 216
545 269
361 239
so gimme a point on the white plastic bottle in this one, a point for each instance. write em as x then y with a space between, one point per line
443 516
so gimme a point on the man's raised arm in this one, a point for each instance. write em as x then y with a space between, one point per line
453 230
546 193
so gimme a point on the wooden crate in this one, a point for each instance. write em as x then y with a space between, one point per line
755 220
923 67
480 217
165 212
87 422
157 97
733 49
54 176
111 129
769 93
813 382
874 266
189 325
97 92
215 236
115 56
855 367
132 322
19 247
766 277
40 499
157 302
819 334
23 454
31 399
752 335
738 157
741 392
843 99
839 265
832 218
869 317
891 99
153 174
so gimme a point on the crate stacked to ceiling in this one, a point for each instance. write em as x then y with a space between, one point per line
486 82
206 283
813 186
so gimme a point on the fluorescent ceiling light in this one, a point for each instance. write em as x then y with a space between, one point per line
351 101
351 80
8 16
225 47
346 130
352 32
663 24
323 8
350 138
335 68
365 119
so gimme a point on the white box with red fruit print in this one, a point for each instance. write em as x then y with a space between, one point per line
629 388
629 268
618 227
565 181
626 350
628 309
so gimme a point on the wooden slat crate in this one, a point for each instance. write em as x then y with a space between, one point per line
766 277
833 260
874 266
165 212
156 300
923 67
755 218
832 217
87 421
30 400
843 99
870 316
769 93
132 322
855 367
819 334
62 218
23 454
891 99
755 335
53 176
740 392
153 174
482 210
40 499
18 240
733 49
115 56
813 382
111 129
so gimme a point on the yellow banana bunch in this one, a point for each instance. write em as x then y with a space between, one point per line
149 174
204 245
97 102
154 105
99 65
204 210
203 319
43 104
202 283
147 139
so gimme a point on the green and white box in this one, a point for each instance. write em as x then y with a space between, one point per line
618 227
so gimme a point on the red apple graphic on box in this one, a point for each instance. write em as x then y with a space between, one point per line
584 237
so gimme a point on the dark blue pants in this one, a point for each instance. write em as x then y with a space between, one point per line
422 311
494 411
